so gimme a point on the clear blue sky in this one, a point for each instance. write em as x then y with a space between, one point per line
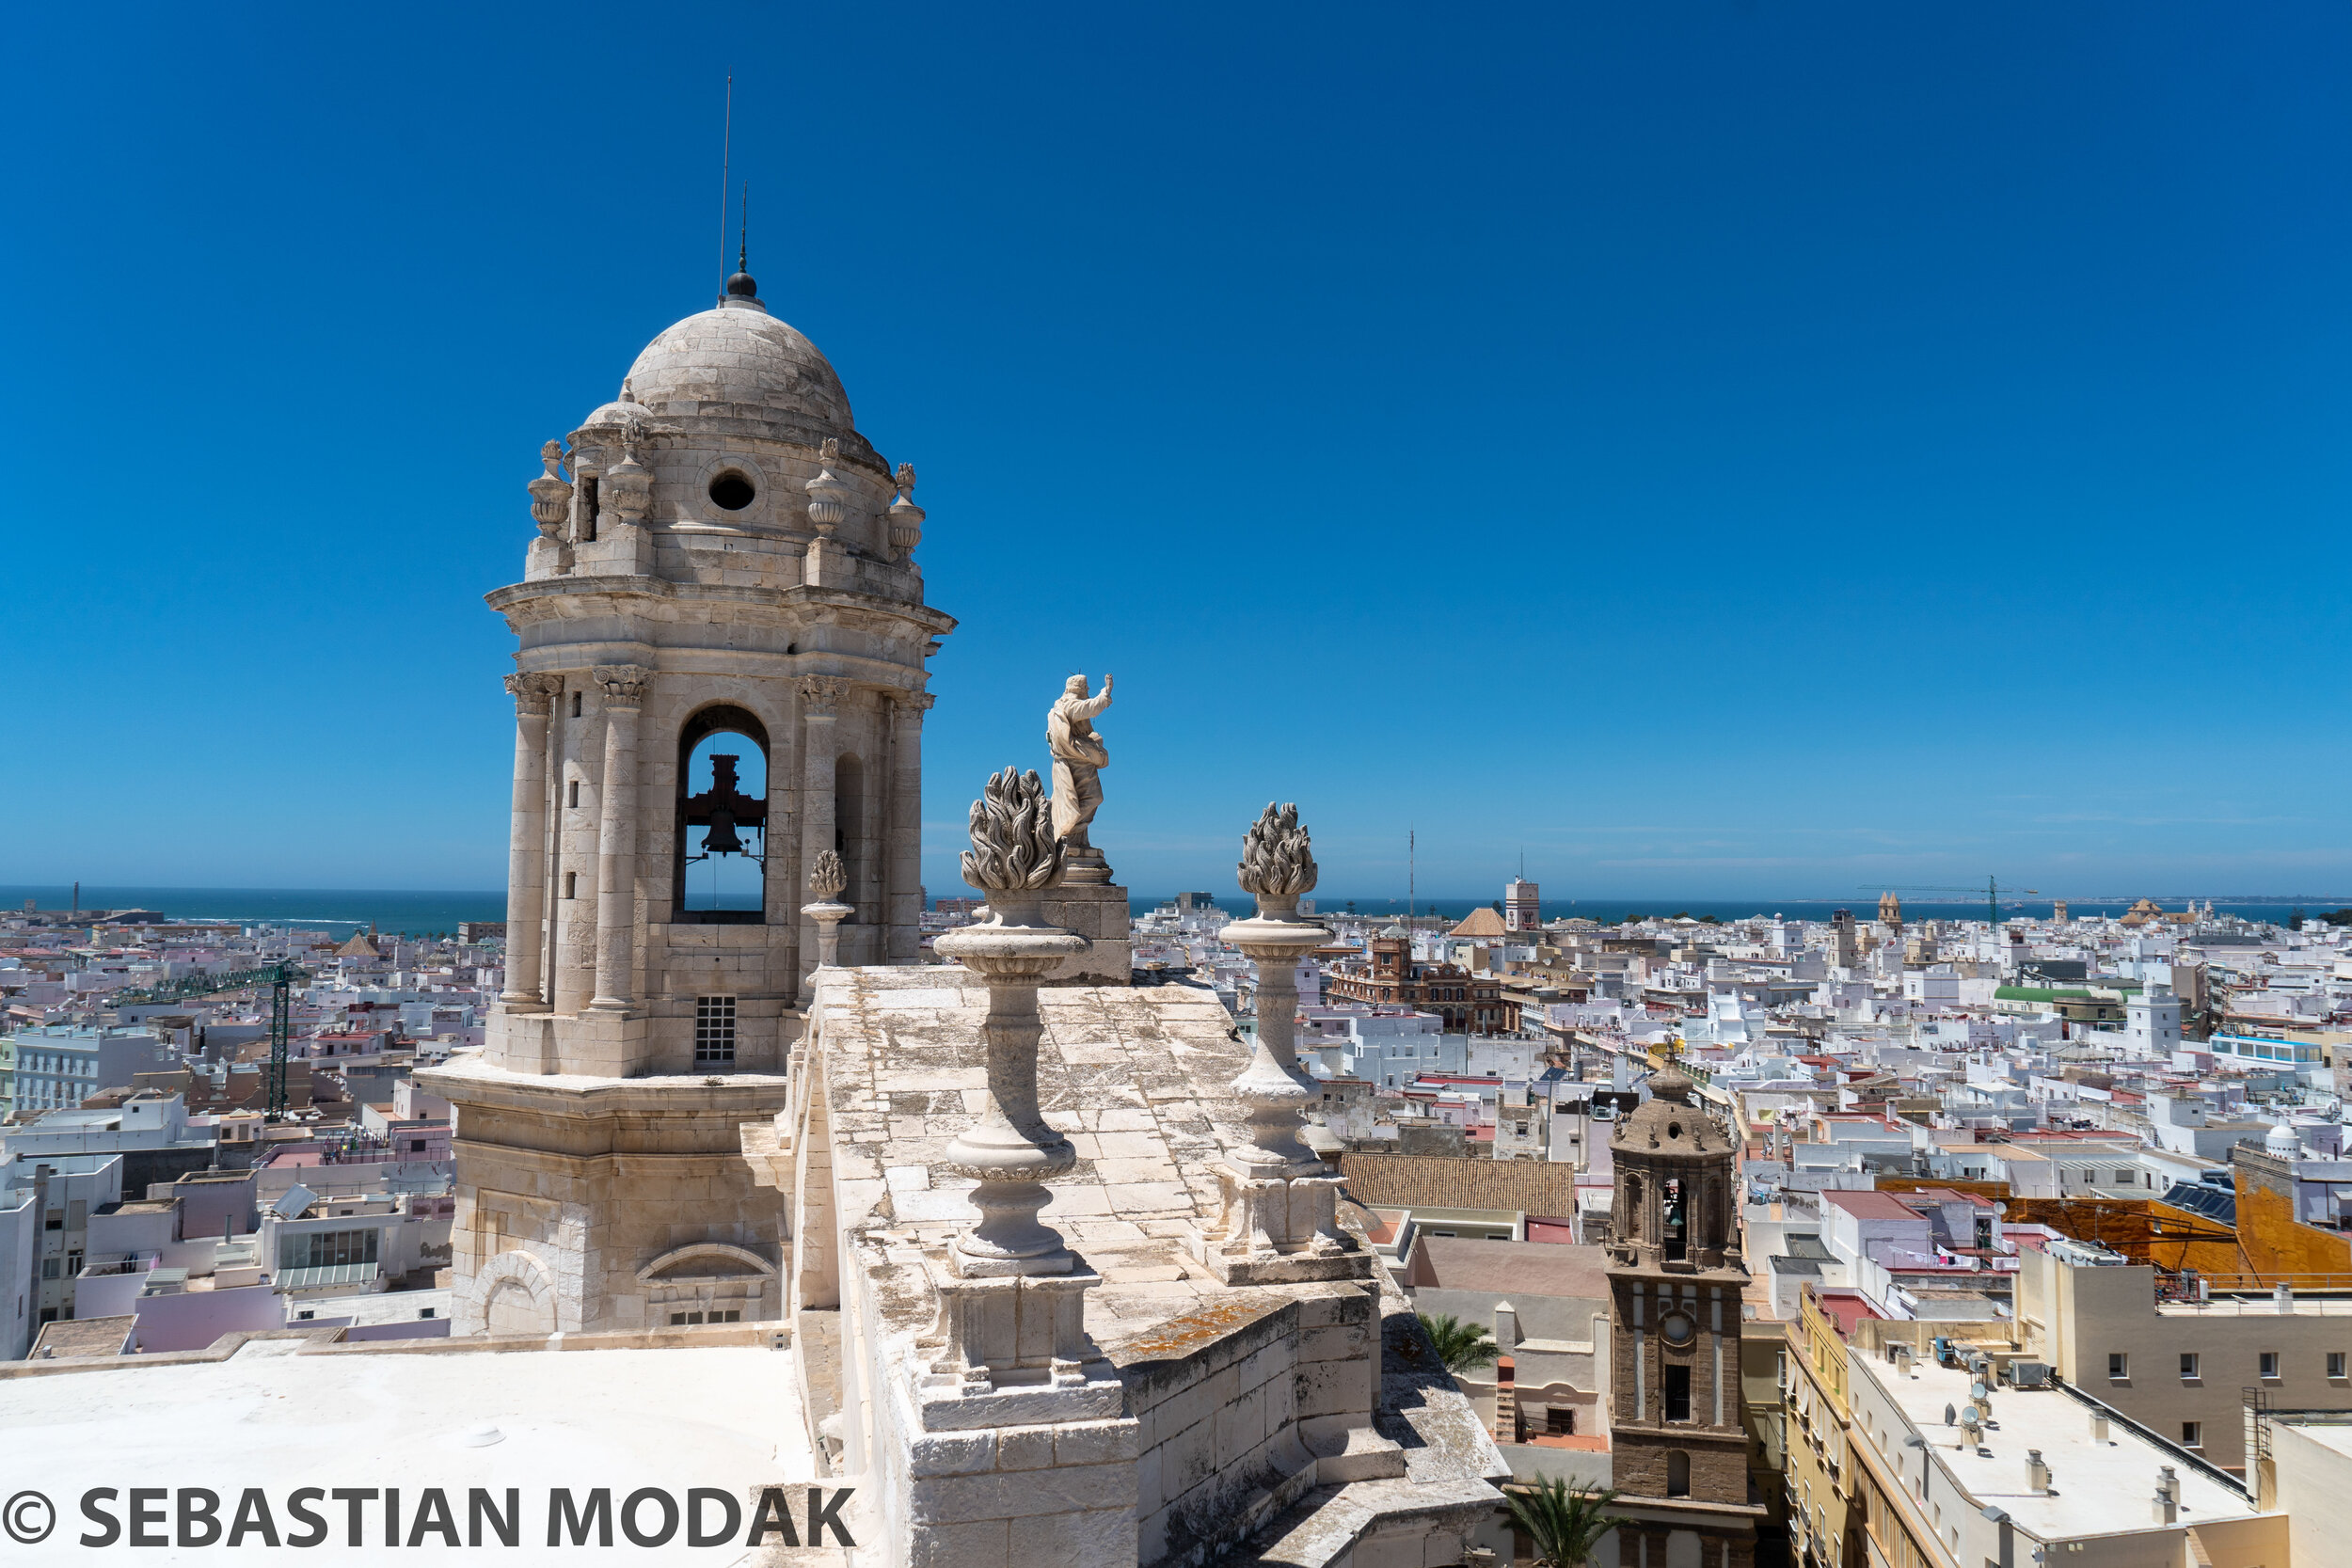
1719 449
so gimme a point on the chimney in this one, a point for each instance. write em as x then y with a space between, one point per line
2163 1509
2282 1300
2168 1483
2037 1473
2098 1426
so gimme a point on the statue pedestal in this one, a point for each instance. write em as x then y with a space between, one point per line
1096 911
1012 1351
1084 864
1277 1225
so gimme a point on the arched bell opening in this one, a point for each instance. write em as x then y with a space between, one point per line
1676 1218
721 833
849 833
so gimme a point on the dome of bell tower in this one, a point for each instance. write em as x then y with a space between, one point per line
737 368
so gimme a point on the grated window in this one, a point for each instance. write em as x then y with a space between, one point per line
714 1029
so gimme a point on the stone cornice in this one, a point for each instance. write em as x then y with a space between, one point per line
578 1097
937 623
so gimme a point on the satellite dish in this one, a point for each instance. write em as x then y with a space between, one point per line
1977 1390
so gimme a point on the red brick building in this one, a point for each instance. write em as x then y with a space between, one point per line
1469 1003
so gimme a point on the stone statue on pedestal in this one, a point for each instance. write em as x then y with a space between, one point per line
1079 756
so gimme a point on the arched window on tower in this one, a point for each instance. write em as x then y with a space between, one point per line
1677 1473
849 833
1676 1215
721 822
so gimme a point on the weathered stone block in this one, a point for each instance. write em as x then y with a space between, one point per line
1096 1442
982 1545
1338 1342
1025 1448
1088 1540
1241 1425
952 1453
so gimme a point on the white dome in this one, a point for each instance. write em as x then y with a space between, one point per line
2282 1142
739 368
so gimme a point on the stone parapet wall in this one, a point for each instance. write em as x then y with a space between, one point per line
1225 1397
1240 1421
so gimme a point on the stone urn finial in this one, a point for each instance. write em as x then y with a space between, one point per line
1010 1150
628 486
906 518
828 497
550 493
828 878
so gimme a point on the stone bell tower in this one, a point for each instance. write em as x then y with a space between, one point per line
1676 1437
723 638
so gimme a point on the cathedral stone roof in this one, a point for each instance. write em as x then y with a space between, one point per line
739 364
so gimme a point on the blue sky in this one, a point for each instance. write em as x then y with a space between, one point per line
1715 448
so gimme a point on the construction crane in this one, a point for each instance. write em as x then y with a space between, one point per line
282 983
1992 891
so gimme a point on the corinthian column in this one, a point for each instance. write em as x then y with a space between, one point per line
616 835
820 706
903 912
526 842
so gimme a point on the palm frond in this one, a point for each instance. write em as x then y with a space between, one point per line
1563 1523
1463 1347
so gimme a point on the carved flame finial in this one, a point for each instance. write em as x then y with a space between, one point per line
828 878
906 480
1277 858
1013 844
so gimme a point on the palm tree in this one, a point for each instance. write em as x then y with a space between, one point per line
1565 1523
1463 1347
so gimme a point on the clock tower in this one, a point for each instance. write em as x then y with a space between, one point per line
1678 1443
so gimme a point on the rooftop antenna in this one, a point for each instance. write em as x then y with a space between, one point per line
1411 848
726 152
743 211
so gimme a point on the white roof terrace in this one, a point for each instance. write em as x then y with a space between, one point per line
2100 1488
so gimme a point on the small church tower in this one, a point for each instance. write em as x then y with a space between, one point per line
1678 1442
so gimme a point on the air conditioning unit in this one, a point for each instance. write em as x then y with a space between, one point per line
2030 1374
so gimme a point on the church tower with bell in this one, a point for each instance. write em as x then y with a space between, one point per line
1677 1440
721 676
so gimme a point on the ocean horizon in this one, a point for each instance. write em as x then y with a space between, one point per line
411 912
